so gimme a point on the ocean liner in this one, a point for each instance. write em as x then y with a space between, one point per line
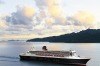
63 57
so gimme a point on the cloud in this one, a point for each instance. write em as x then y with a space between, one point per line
19 22
84 17
55 15
26 21
28 11
48 20
1 2
54 8
23 16
3 24
51 9
41 4
72 21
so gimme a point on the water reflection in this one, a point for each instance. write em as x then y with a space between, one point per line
36 63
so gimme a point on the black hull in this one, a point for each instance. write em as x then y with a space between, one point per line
56 60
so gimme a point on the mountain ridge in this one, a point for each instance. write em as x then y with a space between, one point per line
85 36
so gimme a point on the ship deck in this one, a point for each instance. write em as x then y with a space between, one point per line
52 54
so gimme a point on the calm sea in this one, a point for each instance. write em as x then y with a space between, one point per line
9 52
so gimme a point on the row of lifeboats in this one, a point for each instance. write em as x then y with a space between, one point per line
47 54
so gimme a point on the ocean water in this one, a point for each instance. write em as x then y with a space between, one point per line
9 52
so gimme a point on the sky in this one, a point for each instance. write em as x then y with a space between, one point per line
26 19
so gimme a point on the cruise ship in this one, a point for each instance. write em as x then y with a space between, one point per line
63 57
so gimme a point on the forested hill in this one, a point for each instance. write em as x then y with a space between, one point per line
86 36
